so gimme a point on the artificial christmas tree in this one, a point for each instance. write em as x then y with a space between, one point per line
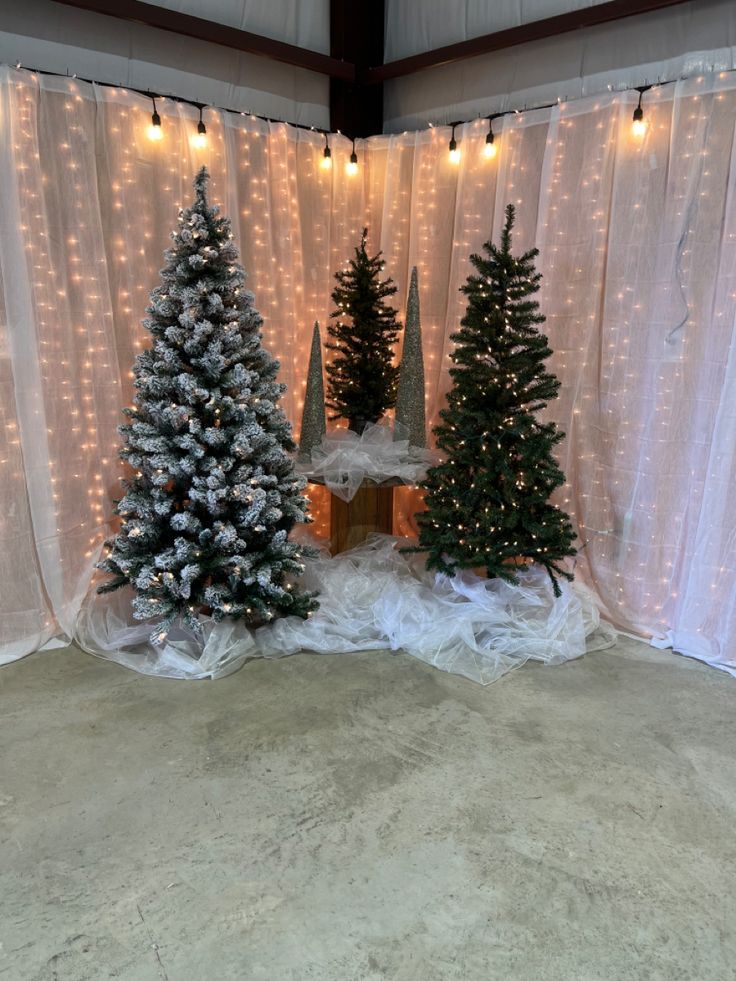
488 503
362 377
207 513
410 419
313 414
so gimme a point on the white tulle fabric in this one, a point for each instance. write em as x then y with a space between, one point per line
343 460
105 627
374 597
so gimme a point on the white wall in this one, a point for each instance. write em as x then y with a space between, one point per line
413 27
688 39
49 36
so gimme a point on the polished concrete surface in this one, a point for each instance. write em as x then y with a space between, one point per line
367 817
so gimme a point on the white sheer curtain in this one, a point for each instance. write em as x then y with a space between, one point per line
638 251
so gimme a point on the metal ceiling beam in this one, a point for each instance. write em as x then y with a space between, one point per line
175 22
356 35
574 20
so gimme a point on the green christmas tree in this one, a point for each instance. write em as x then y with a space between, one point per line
488 503
362 377
214 494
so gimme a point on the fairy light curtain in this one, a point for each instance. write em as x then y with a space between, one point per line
638 251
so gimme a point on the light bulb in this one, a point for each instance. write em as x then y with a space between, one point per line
154 130
199 139
352 167
454 152
490 149
638 127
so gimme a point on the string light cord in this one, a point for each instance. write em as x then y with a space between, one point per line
491 117
180 99
147 93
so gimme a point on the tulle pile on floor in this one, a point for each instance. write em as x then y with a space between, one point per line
374 597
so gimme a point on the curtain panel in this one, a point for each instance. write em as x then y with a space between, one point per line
638 252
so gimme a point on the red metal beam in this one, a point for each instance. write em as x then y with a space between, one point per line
208 30
601 13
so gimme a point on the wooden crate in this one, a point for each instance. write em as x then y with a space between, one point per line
371 510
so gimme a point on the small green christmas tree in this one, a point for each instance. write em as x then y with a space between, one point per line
214 493
362 377
488 503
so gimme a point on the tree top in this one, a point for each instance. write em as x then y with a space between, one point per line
200 182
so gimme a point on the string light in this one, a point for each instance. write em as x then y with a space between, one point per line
638 125
326 162
200 137
352 167
154 130
454 152
490 149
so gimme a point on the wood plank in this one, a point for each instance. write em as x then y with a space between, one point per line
371 510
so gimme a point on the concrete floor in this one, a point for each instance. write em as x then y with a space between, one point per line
367 817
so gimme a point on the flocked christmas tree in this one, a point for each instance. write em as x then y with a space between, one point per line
207 513
488 504
362 377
